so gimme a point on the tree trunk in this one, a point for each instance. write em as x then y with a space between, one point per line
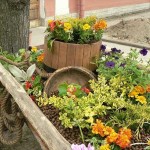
14 24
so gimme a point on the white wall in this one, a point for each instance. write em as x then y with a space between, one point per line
61 7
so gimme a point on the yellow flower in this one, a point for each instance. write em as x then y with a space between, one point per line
105 147
141 99
86 27
139 89
49 21
133 94
34 49
148 142
67 26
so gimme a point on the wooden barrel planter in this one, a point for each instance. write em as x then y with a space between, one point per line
78 75
69 54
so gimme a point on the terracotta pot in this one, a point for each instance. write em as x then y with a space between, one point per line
68 54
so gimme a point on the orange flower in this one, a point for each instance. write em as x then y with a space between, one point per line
139 89
98 128
52 25
123 141
112 137
40 58
148 88
100 25
108 130
133 94
126 132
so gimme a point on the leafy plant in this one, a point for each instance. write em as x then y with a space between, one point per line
72 90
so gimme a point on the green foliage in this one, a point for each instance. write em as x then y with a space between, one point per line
72 90
125 67
107 102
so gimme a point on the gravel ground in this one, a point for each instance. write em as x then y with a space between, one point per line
28 142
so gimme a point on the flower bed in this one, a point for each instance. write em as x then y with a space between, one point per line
109 115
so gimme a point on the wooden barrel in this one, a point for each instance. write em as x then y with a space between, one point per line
68 54
78 75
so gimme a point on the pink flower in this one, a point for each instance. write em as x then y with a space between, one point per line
81 147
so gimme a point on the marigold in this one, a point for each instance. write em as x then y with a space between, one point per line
100 25
126 132
141 99
86 27
139 89
112 137
133 94
98 128
34 49
67 26
40 58
148 88
123 141
105 147
108 130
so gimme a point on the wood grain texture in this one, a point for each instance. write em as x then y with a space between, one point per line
44 128
70 54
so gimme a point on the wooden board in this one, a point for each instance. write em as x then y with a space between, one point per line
50 138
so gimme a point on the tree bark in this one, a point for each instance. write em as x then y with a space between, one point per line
14 24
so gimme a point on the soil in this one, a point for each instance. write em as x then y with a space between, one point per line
135 30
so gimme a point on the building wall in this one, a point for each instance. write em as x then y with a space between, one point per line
100 8
101 4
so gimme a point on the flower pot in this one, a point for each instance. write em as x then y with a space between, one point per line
68 54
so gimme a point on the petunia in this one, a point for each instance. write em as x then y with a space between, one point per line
103 47
110 64
144 52
115 50
81 147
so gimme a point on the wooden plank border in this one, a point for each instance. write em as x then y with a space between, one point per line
43 127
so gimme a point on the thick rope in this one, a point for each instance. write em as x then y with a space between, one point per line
10 123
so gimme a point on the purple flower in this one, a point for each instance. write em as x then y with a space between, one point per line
144 51
81 147
110 64
103 47
107 53
115 50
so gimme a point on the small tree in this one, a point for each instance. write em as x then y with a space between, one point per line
14 24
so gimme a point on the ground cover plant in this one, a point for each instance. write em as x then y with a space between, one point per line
117 107
109 115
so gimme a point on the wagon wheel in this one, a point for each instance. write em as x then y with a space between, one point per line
78 75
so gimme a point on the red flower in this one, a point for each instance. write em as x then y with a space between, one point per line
28 85
86 90
52 25
33 78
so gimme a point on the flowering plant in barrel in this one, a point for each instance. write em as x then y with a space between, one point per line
76 30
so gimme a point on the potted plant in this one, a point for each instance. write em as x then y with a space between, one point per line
73 42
